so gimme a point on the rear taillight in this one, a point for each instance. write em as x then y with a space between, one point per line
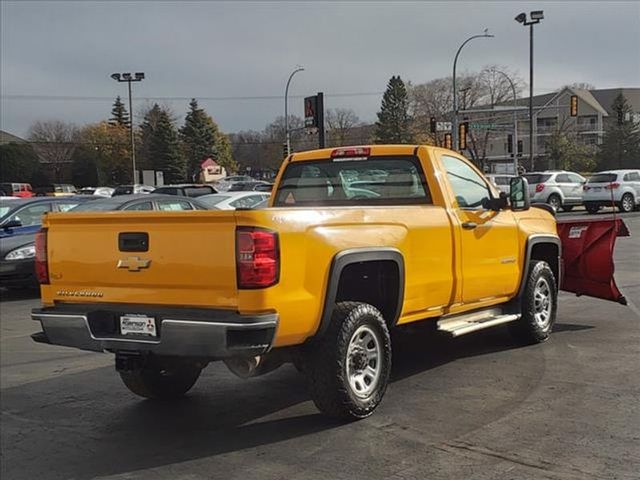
539 187
612 186
257 257
42 266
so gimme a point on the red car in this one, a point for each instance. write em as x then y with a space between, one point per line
22 190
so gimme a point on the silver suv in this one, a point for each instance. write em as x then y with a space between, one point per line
558 188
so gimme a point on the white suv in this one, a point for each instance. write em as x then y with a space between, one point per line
613 187
560 189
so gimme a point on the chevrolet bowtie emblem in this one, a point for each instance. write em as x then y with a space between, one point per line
134 264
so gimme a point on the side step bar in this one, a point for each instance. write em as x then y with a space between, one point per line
470 322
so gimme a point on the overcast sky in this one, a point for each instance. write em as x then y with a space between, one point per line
247 49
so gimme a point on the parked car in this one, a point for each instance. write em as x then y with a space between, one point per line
55 190
225 183
99 191
193 190
560 189
19 221
132 189
500 181
140 202
618 187
233 200
22 190
252 186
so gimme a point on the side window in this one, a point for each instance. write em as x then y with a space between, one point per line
246 202
562 178
139 206
575 178
32 215
635 176
65 207
173 205
468 186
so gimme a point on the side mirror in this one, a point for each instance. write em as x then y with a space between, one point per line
519 194
12 224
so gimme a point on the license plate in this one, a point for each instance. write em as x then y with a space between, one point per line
596 189
138 325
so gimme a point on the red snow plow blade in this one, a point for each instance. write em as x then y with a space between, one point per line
587 254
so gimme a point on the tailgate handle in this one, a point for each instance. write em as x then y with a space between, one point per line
133 241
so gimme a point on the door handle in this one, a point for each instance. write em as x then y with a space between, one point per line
469 225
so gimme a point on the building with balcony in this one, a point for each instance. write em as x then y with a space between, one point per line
551 115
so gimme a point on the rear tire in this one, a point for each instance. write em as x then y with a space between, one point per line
348 367
592 209
627 203
539 305
555 201
162 380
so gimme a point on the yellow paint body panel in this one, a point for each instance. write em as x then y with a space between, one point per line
447 269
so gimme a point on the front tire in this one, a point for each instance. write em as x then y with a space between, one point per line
627 203
539 305
162 380
348 367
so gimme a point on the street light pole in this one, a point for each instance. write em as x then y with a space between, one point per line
535 16
286 109
454 132
127 77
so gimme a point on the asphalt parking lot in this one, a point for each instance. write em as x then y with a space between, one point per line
476 407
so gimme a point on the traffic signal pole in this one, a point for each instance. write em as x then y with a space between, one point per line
320 109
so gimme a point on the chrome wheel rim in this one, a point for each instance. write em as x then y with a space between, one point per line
364 357
627 203
542 303
554 202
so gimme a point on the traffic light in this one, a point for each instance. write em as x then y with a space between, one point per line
519 147
462 135
509 143
433 125
285 150
447 141
573 108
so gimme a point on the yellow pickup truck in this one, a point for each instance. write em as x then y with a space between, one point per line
356 241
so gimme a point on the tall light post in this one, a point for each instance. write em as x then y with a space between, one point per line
127 77
454 133
535 16
514 138
286 109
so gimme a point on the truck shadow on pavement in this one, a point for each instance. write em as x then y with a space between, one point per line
86 424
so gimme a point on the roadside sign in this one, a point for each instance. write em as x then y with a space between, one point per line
443 126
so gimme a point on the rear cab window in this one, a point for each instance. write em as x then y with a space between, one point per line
603 178
379 180
534 178
198 191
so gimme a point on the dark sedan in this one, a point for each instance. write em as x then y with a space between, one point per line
150 201
19 222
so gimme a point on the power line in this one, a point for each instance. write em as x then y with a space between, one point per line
161 98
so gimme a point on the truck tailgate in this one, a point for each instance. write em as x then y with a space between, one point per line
188 259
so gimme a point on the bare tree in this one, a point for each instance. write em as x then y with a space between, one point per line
54 142
492 87
341 123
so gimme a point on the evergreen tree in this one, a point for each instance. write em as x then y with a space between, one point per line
621 144
161 146
394 121
202 139
119 114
